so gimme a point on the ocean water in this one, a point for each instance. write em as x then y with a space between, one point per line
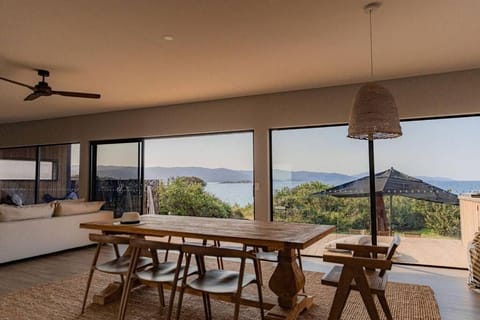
232 193
242 193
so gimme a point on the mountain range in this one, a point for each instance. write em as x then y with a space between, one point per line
222 175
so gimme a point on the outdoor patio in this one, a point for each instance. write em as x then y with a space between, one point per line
442 252
417 250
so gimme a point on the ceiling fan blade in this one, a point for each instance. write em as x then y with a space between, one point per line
18 83
77 94
33 96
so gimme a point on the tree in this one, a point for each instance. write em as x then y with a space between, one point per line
187 196
443 219
297 205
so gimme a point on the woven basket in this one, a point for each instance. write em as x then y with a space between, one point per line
474 263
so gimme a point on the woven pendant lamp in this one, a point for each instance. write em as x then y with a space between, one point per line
374 115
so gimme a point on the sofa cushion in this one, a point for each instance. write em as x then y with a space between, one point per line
34 211
72 207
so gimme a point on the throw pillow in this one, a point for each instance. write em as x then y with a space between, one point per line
34 211
72 207
17 200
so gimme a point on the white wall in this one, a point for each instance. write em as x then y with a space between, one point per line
436 95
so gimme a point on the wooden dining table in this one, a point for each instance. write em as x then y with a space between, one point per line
287 279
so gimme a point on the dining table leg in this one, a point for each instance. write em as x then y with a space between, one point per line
286 282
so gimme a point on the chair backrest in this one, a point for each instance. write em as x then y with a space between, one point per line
155 245
217 252
391 251
393 246
114 240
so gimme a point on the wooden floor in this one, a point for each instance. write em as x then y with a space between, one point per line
455 300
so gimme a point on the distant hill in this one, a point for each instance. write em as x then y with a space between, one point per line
222 175
324 177
163 173
219 174
207 174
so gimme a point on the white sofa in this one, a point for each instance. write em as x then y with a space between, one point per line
21 239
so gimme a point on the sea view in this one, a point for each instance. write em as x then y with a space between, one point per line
242 193
232 186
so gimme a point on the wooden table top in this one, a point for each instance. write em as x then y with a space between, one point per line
274 235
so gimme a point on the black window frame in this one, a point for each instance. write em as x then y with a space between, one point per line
93 157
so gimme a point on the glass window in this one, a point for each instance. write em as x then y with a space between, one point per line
56 163
18 174
424 184
306 162
437 220
39 173
205 175
117 176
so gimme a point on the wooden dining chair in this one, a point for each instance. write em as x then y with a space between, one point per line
261 255
363 271
218 281
204 242
119 265
160 273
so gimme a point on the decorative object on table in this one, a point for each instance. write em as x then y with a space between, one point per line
374 115
130 217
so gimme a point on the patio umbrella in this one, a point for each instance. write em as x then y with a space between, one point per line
393 183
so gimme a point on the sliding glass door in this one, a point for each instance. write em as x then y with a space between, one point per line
117 175
209 175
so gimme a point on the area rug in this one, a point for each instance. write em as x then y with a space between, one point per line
63 300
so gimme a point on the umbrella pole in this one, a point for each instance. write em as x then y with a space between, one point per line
373 206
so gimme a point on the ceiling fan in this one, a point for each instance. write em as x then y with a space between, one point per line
42 89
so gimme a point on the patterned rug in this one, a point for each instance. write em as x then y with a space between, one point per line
63 300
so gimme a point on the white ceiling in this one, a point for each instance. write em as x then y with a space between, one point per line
221 48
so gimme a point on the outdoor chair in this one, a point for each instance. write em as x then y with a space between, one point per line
119 265
362 271
160 273
218 281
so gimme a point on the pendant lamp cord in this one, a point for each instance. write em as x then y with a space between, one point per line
371 45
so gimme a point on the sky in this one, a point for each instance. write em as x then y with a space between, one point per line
447 148
229 150
437 148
